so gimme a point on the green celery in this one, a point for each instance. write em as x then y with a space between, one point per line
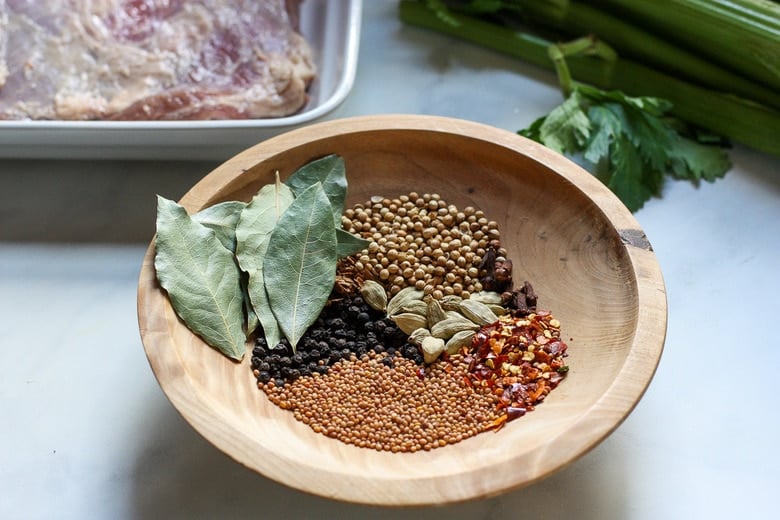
577 19
737 118
741 34
627 142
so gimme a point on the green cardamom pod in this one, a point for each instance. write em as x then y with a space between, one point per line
409 321
404 296
374 295
418 335
487 297
450 302
454 314
416 307
477 312
458 340
499 310
432 348
445 329
434 312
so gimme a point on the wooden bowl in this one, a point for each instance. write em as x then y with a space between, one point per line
585 254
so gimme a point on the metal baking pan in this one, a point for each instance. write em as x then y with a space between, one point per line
331 26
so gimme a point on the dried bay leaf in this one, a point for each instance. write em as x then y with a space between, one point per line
252 321
349 244
300 262
257 222
201 278
329 171
222 218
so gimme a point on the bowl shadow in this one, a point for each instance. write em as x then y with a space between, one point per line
178 474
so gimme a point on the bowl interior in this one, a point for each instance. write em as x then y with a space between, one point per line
560 237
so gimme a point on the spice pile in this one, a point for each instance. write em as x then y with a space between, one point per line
424 342
421 241
346 330
393 324
398 406
519 361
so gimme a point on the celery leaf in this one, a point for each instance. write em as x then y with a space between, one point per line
694 161
565 128
629 143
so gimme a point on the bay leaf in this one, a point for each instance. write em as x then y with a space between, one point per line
258 220
349 244
300 263
329 171
201 278
222 218
250 316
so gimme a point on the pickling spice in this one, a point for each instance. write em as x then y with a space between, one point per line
425 340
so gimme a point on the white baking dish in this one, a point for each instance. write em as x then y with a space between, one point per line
331 26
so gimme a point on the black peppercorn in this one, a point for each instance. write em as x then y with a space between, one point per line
410 351
337 323
347 327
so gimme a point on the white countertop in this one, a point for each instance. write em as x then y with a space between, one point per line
87 432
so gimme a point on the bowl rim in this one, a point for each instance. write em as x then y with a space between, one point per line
589 429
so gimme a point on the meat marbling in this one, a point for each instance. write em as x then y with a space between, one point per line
151 59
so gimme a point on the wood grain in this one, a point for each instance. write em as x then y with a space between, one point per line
565 232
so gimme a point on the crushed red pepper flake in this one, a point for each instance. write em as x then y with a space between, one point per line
518 359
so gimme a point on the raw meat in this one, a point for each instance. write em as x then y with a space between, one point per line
151 59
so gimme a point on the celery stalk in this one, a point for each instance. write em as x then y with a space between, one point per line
741 34
739 119
577 19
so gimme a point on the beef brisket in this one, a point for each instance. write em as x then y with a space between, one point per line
151 59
